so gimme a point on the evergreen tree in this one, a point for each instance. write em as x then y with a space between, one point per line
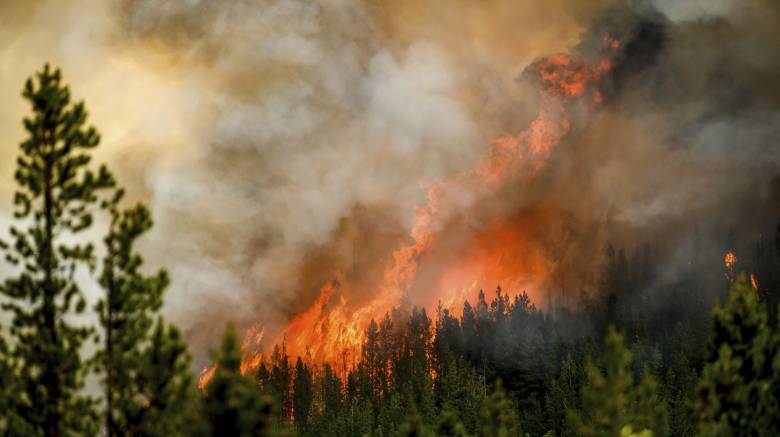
414 426
461 389
55 198
302 394
234 406
280 381
331 391
563 397
11 424
125 315
739 392
650 411
165 388
497 415
611 404
450 425
679 385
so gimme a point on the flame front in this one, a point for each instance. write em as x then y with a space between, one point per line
332 329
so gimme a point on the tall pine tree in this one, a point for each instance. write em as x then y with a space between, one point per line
126 315
54 200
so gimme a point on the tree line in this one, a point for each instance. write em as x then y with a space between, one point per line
628 362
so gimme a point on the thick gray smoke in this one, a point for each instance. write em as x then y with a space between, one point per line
281 142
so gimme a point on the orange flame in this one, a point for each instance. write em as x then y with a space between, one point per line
331 326
205 377
729 260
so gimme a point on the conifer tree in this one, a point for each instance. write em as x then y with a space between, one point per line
54 201
461 389
234 406
450 424
414 426
126 316
165 388
303 387
11 424
739 392
497 415
564 396
612 404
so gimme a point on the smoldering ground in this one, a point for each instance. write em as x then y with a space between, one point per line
281 143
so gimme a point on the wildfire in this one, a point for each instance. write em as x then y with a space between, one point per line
729 260
332 325
753 282
206 375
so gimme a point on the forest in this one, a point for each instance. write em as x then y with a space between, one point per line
697 355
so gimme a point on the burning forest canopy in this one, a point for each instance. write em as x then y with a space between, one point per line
314 166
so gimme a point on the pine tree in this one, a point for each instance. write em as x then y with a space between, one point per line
281 381
11 424
461 389
611 404
563 397
55 198
303 388
650 411
126 316
164 388
414 426
234 406
497 415
739 392
373 361
450 424
331 391
679 384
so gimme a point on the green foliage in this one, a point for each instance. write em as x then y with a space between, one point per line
11 423
234 405
461 389
739 390
611 404
126 316
164 388
450 424
412 376
498 417
414 426
564 397
54 200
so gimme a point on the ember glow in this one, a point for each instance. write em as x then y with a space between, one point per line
729 259
753 281
500 255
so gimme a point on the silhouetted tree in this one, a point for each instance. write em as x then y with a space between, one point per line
233 405
126 316
303 388
54 201
164 388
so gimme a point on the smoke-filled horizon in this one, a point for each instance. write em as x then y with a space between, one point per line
282 145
